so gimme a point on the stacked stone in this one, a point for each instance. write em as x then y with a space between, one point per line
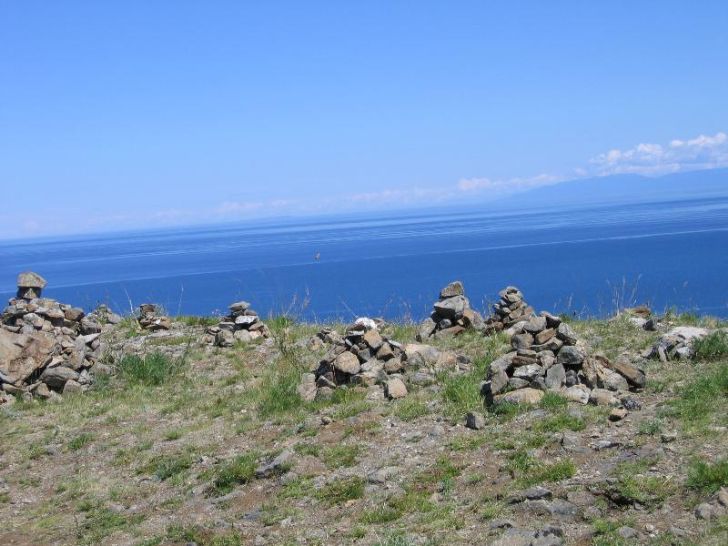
365 357
451 314
677 344
47 347
242 324
510 310
546 355
151 318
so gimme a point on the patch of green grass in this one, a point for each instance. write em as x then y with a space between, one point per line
468 442
506 410
605 533
708 477
191 320
529 471
703 398
461 394
636 485
383 513
173 434
554 472
340 455
277 393
80 440
410 408
236 472
306 448
37 450
651 427
491 509
150 370
297 488
341 491
559 422
350 409
194 534
712 346
167 466
100 522
553 401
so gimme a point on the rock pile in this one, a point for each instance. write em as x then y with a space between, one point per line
242 324
363 356
677 344
150 318
510 310
47 347
547 356
451 314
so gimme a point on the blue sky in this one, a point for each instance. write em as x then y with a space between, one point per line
117 115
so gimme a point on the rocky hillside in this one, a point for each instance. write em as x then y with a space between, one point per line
540 431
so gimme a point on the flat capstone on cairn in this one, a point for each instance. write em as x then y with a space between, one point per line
451 315
365 357
150 317
508 311
547 356
242 324
47 347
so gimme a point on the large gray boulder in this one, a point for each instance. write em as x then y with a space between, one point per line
22 354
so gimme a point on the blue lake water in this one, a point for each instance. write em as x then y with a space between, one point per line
667 254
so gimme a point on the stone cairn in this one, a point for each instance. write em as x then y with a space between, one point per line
150 317
47 347
547 356
365 357
677 344
510 309
451 315
242 324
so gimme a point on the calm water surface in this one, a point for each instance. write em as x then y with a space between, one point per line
669 254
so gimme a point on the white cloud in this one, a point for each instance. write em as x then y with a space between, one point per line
702 152
508 185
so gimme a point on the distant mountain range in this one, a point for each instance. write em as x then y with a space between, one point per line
625 188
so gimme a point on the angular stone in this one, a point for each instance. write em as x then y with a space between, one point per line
475 421
451 290
617 414
22 354
499 381
28 279
546 359
570 356
552 321
543 336
56 377
521 396
348 363
72 387
420 355
535 325
373 339
577 393
555 377
603 397
522 341
529 371
395 388
425 329
565 333
631 373
451 308
239 307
